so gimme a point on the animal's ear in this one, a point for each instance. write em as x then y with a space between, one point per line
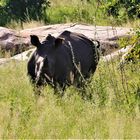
50 38
35 40
58 41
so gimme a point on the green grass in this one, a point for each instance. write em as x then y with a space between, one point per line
76 11
92 12
112 113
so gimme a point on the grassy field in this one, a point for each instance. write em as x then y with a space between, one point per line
114 111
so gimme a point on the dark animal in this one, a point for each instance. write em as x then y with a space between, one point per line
63 60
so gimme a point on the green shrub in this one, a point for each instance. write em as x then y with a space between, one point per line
22 11
123 10
133 55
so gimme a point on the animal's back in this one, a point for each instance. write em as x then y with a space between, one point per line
82 49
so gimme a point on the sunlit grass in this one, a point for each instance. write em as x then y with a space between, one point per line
134 23
113 112
76 11
89 12
28 24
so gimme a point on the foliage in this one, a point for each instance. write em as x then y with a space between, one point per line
22 11
76 11
99 12
110 12
122 9
133 55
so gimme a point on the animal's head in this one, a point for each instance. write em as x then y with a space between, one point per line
44 56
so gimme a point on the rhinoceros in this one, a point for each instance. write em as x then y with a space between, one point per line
63 60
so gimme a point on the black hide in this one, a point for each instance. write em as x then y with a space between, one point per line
54 59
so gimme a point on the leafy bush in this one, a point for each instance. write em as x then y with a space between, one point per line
100 12
122 9
134 54
20 10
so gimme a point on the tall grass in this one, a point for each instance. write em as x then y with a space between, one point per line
28 24
83 11
76 11
112 113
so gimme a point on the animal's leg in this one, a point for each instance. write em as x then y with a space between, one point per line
63 90
85 91
37 92
59 89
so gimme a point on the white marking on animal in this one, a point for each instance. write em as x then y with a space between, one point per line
38 67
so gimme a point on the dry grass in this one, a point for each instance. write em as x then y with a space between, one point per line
29 24
107 116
